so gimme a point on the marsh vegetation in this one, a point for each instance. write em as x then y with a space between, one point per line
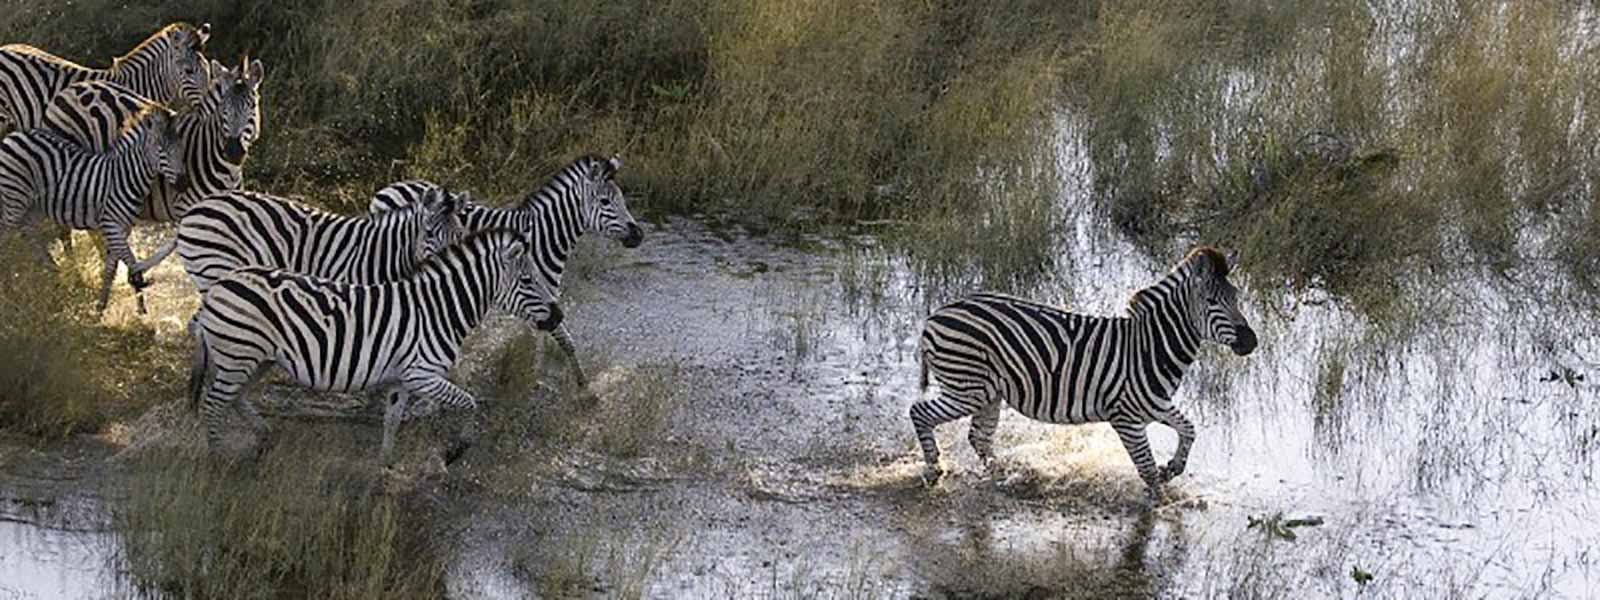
1408 188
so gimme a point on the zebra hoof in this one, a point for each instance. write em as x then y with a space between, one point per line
931 476
137 281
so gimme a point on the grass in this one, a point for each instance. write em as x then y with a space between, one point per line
301 521
59 372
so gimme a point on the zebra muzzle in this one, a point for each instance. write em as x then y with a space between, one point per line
233 151
634 237
1245 343
553 321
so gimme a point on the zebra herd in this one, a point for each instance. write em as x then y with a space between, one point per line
345 303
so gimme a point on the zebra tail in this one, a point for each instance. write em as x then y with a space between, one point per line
200 367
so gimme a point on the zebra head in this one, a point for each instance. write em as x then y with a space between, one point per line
186 66
441 221
603 206
1215 302
523 292
164 142
234 97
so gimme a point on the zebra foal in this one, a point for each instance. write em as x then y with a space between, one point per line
43 171
334 336
1061 367
581 198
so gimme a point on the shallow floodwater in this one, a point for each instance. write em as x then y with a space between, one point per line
1456 459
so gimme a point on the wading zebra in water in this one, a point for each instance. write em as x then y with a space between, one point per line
214 136
239 229
583 197
85 190
333 336
1060 367
166 67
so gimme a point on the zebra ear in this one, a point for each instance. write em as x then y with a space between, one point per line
202 35
253 72
606 169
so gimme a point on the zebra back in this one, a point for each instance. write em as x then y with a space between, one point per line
235 229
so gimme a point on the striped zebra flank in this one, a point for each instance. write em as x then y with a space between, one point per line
582 197
232 230
42 171
1055 366
340 337
167 67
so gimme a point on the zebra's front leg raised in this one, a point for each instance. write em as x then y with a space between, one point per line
1132 434
428 385
116 238
1178 422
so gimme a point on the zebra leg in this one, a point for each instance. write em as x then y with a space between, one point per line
927 415
564 339
981 432
1178 422
116 236
258 425
429 385
222 388
393 415
159 255
1133 440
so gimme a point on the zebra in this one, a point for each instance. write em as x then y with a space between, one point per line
582 197
341 337
167 67
215 135
86 190
230 230
1055 366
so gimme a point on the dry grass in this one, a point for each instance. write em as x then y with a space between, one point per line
301 521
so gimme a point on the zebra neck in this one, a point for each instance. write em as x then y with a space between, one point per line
136 71
459 293
556 227
1165 342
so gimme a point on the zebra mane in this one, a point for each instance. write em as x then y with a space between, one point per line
137 119
1205 257
155 38
43 55
573 171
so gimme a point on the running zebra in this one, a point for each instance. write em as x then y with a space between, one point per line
166 67
85 190
215 136
334 336
583 197
238 229
1060 367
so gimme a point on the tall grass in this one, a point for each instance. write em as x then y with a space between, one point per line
299 522
59 373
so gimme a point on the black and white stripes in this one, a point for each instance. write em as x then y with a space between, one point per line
167 67
238 229
583 197
40 170
1060 367
334 336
